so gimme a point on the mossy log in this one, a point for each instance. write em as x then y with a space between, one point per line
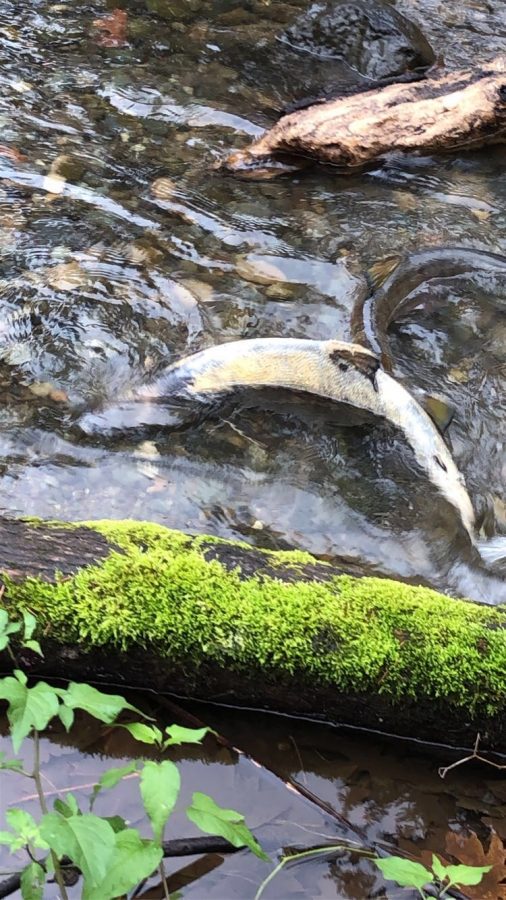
138 604
448 112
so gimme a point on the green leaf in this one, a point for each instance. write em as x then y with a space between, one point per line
466 875
403 871
8 838
28 707
20 676
160 783
7 628
438 868
33 645
30 623
117 823
33 879
146 734
87 840
67 808
14 764
133 860
105 707
213 819
179 735
25 828
66 717
110 779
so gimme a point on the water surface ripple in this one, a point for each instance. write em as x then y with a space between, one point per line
122 249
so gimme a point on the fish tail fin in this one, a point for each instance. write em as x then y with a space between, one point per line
493 550
379 271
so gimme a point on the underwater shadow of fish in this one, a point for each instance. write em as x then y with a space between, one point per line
394 295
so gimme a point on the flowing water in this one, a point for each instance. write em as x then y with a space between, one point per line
123 249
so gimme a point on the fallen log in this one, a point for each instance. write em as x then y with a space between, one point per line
138 604
448 112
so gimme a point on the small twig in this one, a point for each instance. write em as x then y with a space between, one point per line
10 885
442 772
197 846
299 757
66 790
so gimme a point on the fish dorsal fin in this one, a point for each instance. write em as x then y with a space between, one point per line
440 411
378 273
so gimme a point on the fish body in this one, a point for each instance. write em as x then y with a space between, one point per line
342 372
397 295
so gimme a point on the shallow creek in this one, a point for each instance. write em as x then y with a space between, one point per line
392 794
121 249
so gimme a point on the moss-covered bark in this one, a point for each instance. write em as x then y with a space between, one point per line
225 621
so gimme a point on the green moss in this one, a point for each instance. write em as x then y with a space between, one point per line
353 635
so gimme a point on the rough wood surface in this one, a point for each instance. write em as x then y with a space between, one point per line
27 550
449 112
139 605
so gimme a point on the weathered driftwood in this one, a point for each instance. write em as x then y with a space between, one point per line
135 603
448 112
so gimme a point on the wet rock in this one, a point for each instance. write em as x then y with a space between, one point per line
372 37
200 289
67 167
66 276
258 271
174 10
163 188
280 291
44 389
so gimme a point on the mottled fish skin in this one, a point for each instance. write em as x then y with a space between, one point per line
373 316
343 372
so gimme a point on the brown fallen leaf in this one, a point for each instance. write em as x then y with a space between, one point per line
12 153
114 28
44 389
468 849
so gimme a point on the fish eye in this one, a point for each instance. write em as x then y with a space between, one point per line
343 366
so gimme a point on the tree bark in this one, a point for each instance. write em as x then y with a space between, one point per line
449 112
138 604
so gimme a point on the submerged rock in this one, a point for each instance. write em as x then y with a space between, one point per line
370 36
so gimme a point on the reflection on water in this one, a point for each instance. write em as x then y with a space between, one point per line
391 797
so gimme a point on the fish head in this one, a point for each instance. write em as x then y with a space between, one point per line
355 368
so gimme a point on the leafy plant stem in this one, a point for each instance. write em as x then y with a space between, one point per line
164 881
43 806
296 856
161 869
